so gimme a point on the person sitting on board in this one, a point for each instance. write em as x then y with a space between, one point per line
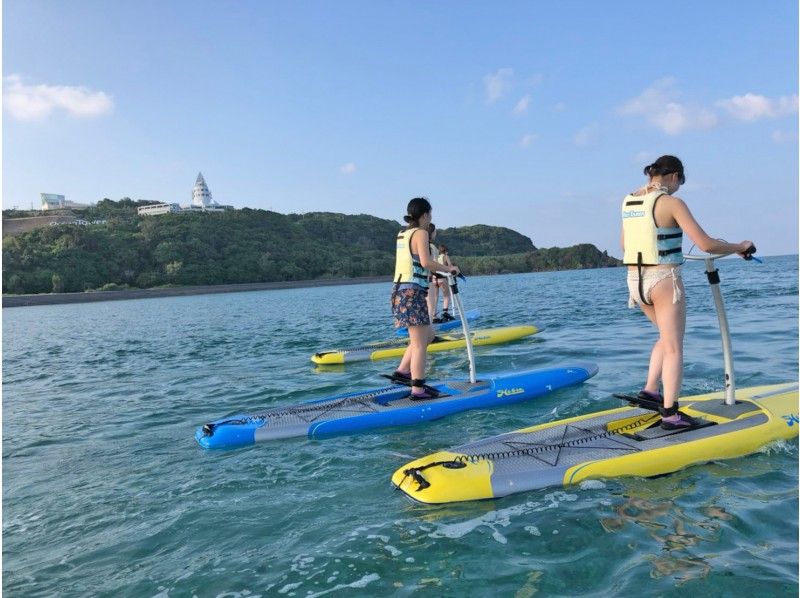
433 287
409 306
653 223
442 282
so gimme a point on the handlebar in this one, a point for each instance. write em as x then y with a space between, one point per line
748 255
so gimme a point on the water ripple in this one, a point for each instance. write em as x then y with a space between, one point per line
106 493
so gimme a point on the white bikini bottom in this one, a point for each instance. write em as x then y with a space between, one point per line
650 278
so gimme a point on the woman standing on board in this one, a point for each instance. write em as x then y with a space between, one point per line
409 296
433 279
653 223
442 283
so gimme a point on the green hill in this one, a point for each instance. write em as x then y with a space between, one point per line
483 240
238 246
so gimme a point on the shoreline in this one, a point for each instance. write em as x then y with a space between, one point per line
88 297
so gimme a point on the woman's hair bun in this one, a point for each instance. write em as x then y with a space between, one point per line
666 165
417 207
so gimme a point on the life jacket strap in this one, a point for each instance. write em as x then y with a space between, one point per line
641 279
663 252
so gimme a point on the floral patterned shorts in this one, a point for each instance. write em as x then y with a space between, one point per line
410 307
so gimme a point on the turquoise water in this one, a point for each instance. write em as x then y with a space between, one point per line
106 493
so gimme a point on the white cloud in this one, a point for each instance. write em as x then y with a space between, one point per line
522 105
752 106
659 105
559 107
37 102
587 135
348 168
527 140
498 84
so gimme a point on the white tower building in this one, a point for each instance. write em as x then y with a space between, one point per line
201 196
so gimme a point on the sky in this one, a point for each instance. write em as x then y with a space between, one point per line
537 115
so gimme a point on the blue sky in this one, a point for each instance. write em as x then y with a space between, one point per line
535 115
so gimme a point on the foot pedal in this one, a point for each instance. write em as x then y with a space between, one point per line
656 431
397 379
651 405
407 382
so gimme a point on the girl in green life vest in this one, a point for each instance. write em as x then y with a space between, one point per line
413 267
653 224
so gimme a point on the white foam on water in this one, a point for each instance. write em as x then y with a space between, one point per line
361 583
501 517
558 497
383 539
301 563
777 446
402 455
533 530
592 485
392 550
289 587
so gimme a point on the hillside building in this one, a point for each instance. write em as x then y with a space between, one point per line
202 199
53 201
158 208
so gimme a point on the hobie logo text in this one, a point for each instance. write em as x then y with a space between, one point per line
507 392
791 419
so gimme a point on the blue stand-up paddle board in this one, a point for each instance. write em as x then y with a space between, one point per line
387 406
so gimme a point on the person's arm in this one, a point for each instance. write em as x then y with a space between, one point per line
420 246
690 226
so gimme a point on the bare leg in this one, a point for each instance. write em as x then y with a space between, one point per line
670 318
445 298
405 361
433 299
656 355
417 352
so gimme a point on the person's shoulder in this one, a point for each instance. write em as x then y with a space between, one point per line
672 203
672 199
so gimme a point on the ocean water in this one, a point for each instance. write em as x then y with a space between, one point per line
106 493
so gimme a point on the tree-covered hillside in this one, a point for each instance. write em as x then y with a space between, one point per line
483 240
125 250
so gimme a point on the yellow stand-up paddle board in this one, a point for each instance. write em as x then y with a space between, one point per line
443 342
628 441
